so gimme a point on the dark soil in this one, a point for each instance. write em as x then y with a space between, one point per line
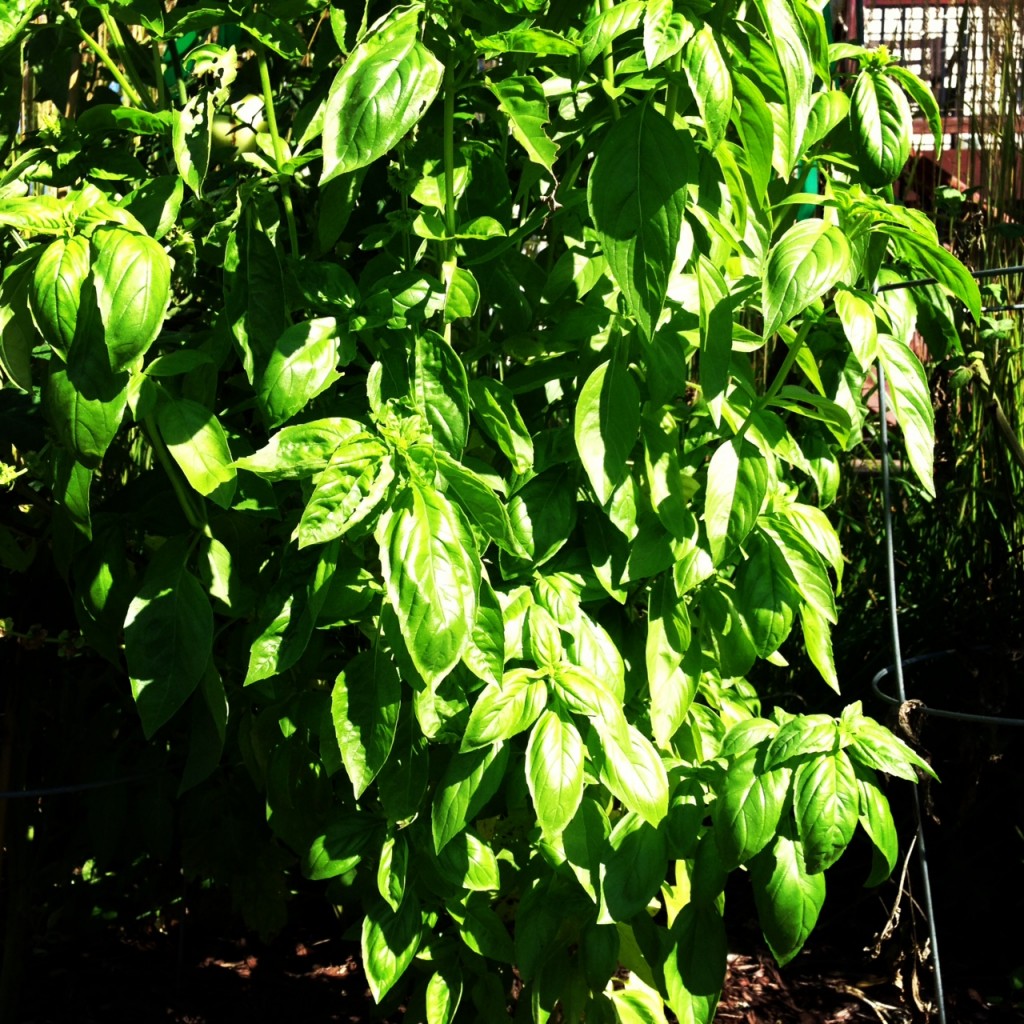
205 979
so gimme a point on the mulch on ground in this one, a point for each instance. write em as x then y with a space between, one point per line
204 979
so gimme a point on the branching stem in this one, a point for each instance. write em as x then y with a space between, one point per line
108 62
279 153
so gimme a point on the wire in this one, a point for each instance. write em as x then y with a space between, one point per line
76 787
894 625
959 716
989 272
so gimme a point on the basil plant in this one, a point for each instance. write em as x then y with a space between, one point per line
442 407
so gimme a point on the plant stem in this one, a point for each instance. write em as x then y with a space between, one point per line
126 87
675 65
158 70
609 66
114 31
196 517
780 378
448 134
448 142
279 155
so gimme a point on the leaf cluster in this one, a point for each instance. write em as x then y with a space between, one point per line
442 403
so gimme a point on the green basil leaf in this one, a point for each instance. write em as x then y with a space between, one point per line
288 614
672 689
475 495
132 276
708 75
484 655
390 940
443 995
805 564
18 334
521 99
543 514
462 294
192 140
537 41
554 770
826 802
637 196
911 403
715 334
694 967
665 32
71 485
787 896
632 770
802 735
766 594
922 95
392 870
808 260
495 410
364 709
636 1006
86 400
199 446
470 863
876 747
925 251
302 364
737 486
432 575
584 694
303 450
606 427
795 77
635 869
13 19
602 30
341 847
483 931
378 96
157 203
168 636
42 213
468 782
501 712
881 120
818 641
351 486
585 840
254 292
748 809
753 120
440 391
876 819
56 290
859 325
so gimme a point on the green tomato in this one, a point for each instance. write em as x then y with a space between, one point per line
238 129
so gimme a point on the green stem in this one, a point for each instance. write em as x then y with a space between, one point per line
158 70
448 134
279 154
126 87
675 65
609 66
780 378
126 58
196 516
448 142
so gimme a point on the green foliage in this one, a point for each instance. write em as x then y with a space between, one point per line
477 426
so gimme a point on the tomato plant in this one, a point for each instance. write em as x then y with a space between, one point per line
441 454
